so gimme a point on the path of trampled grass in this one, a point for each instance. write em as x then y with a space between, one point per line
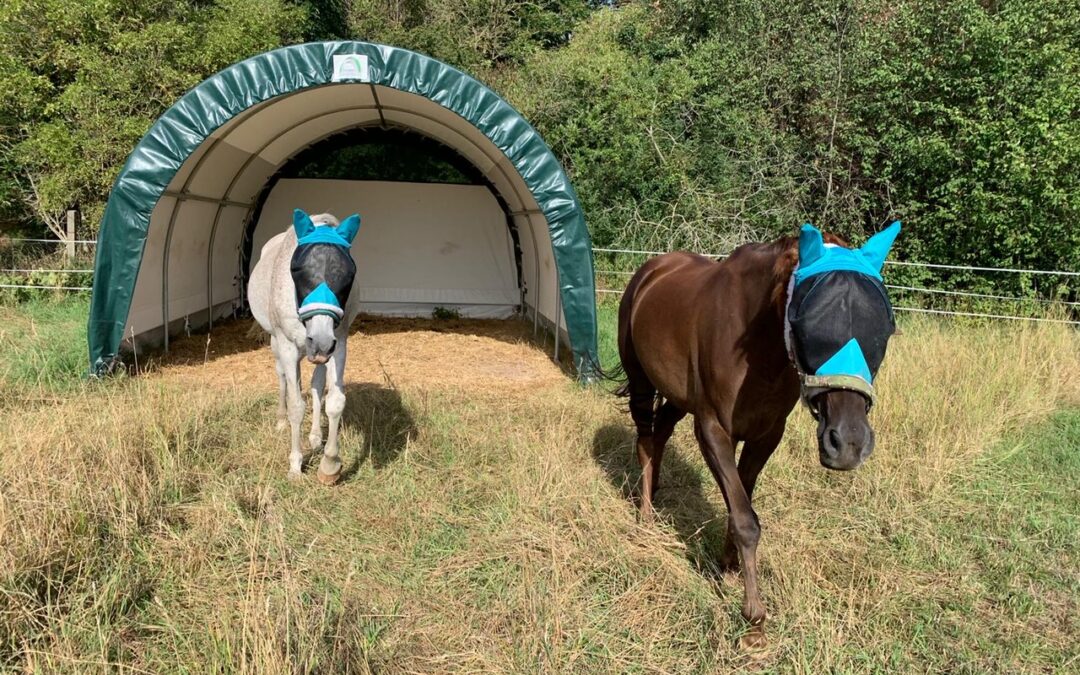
148 522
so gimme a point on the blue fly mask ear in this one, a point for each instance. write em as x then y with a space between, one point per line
302 224
349 227
877 249
811 245
342 235
817 257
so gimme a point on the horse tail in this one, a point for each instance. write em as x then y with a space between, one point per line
615 375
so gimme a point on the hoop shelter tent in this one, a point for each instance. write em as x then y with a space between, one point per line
198 196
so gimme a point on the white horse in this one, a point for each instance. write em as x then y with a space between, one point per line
299 292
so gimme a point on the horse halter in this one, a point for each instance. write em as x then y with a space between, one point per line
838 318
322 267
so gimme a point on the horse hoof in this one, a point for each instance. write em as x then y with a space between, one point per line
328 479
315 442
754 642
295 476
647 515
281 424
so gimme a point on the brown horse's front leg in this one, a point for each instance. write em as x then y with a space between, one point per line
751 461
719 450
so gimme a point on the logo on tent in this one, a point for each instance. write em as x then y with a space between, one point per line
351 67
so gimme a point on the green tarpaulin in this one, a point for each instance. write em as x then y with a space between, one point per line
176 217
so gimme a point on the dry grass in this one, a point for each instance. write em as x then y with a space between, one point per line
148 525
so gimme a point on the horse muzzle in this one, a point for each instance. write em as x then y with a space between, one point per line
844 448
845 438
319 348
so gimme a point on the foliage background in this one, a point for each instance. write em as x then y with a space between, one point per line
685 123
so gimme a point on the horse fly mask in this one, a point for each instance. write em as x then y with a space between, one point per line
839 314
322 267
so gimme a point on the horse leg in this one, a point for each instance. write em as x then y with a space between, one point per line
719 450
754 456
282 408
288 357
330 466
318 387
667 416
642 410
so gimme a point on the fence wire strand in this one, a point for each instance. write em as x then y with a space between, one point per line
49 288
623 251
49 241
969 268
45 271
912 289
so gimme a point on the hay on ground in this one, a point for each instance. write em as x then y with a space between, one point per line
472 353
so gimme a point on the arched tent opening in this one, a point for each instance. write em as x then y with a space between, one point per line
436 235
204 188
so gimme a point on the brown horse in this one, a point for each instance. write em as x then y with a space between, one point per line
710 339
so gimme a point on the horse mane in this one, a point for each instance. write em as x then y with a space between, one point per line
325 219
786 250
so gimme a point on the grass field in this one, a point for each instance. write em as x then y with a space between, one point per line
148 526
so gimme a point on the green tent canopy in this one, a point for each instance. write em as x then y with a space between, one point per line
200 194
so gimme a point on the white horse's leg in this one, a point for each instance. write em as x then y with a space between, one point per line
330 466
318 386
282 409
288 357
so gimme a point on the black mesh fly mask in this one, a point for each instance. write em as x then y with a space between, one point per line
322 266
839 316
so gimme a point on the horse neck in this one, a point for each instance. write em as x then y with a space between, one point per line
772 273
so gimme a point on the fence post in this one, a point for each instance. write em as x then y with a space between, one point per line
72 218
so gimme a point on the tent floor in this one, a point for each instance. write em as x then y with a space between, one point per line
416 353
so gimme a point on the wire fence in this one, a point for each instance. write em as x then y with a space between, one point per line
30 265
28 269
922 294
907 263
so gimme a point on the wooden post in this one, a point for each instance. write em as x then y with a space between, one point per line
72 217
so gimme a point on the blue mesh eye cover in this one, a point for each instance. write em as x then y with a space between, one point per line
322 266
841 323
840 314
323 275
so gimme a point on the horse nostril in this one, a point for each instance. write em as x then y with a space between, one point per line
832 445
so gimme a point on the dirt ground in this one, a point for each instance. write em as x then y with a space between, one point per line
393 352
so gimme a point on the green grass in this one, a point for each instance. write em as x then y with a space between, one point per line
607 321
1003 551
149 524
43 343
1014 546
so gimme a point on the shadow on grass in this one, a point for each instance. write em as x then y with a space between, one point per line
680 497
381 418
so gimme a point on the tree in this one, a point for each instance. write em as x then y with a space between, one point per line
91 77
